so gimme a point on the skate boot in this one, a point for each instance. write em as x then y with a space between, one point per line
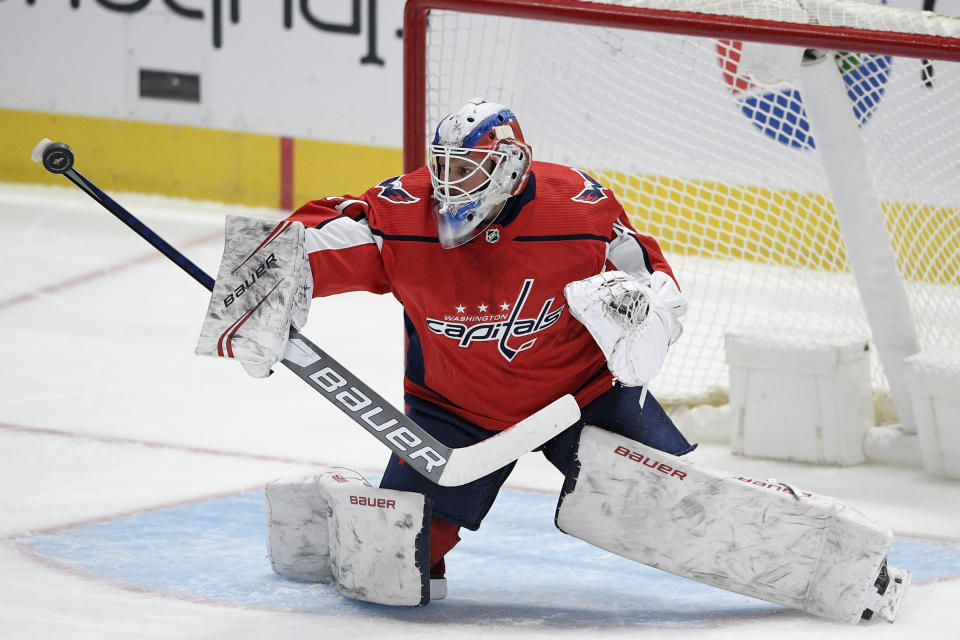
890 586
438 583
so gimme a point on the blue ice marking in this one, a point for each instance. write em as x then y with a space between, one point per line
518 569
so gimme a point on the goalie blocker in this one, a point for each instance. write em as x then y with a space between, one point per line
264 286
762 539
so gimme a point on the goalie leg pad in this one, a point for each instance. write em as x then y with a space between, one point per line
759 538
372 543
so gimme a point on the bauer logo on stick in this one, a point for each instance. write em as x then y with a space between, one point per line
378 419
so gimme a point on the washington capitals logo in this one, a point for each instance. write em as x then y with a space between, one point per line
499 327
593 191
392 190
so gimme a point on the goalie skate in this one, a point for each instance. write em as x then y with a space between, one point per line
892 584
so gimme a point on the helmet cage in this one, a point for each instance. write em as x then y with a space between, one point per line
463 207
454 171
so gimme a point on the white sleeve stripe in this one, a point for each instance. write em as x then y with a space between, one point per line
339 233
628 254
346 203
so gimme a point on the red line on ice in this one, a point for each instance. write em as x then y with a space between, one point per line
161 445
97 274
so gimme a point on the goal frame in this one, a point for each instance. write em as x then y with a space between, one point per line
908 45
858 208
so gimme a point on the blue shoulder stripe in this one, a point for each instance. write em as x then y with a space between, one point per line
387 236
326 222
646 256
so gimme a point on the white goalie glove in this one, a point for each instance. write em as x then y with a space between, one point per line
632 322
264 287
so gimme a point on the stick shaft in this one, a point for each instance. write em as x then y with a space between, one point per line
140 228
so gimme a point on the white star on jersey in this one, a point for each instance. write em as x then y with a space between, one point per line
482 308
461 308
504 307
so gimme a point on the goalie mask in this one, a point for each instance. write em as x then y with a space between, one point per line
478 160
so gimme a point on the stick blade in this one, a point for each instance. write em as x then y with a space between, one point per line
37 154
470 463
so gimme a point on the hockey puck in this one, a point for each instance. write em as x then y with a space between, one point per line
58 157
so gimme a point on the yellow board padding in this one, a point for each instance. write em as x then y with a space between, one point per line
189 162
687 216
781 227
927 241
334 169
126 155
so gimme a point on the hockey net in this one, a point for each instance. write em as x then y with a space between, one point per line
718 163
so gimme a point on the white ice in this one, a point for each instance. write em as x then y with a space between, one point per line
105 411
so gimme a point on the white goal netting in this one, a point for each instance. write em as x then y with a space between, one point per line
723 168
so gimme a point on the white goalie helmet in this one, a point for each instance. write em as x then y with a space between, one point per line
478 160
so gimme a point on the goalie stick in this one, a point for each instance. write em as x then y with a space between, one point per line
439 463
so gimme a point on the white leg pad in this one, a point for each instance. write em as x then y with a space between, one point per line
759 538
372 543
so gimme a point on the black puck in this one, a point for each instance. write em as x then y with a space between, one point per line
58 157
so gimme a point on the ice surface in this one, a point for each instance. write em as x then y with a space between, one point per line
131 471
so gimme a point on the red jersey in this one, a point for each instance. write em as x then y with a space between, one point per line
489 336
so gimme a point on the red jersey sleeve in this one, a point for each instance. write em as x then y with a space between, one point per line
344 254
634 252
